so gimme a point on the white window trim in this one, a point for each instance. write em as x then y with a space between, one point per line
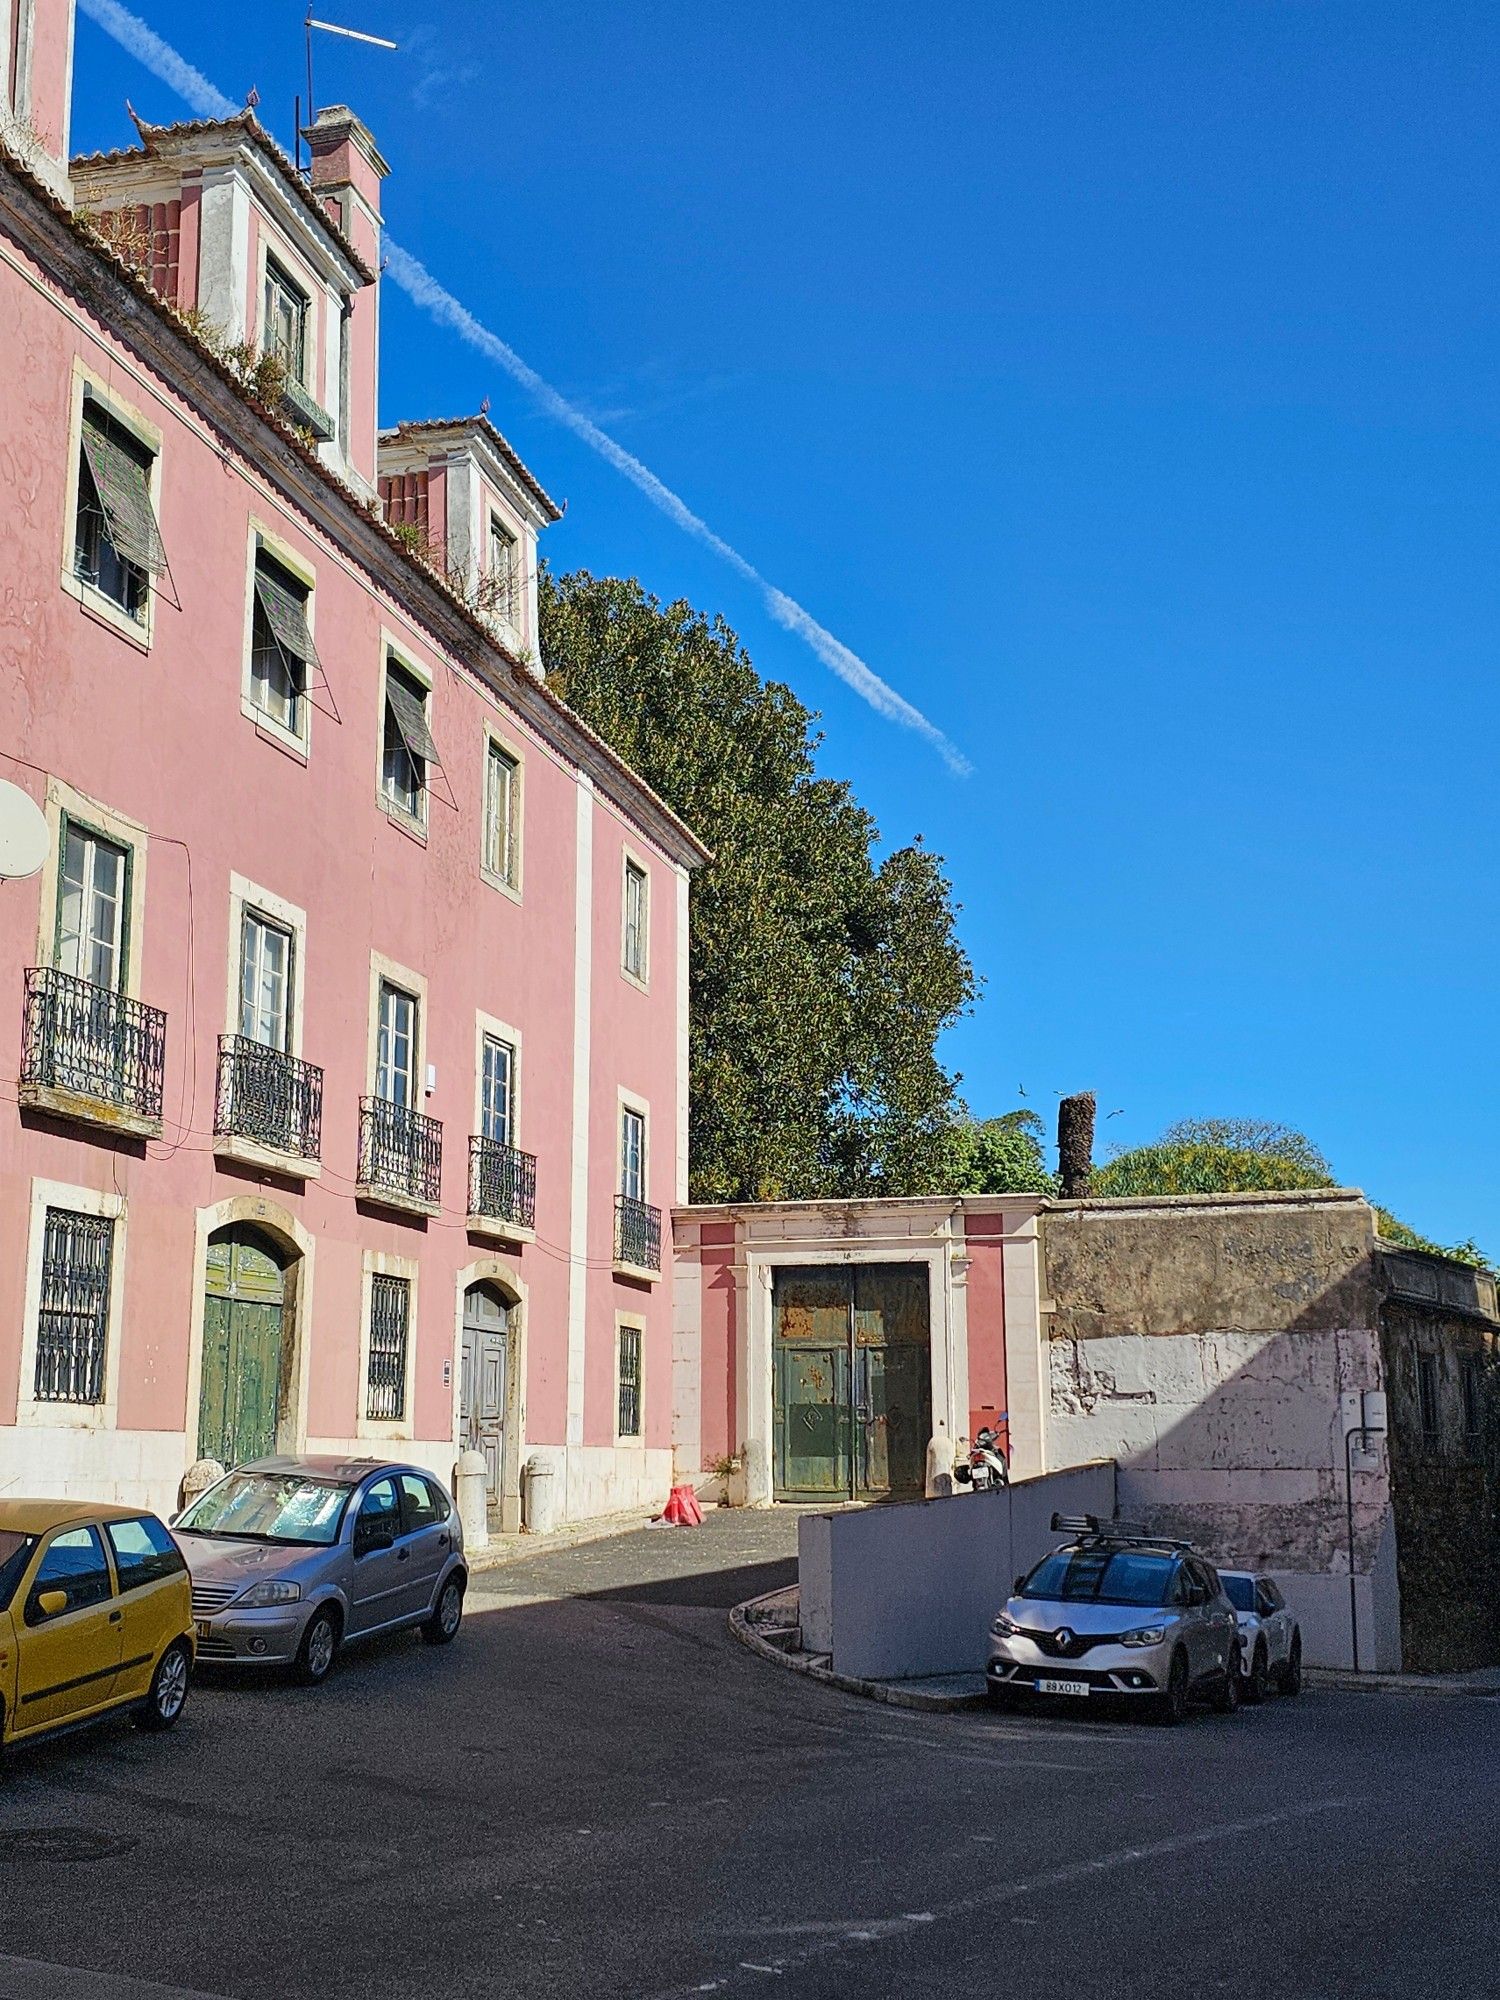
387 971
382 1263
71 1416
243 895
139 632
623 1439
62 801
282 552
412 823
494 737
630 858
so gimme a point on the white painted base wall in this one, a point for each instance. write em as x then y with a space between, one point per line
71 1462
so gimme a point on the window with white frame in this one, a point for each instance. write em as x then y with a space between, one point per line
503 581
390 1333
93 907
502 815
284 322
282 654
267 958
636 915
632 1153
117 545
628 1375
497 1090
396 1046
407 748
73 1309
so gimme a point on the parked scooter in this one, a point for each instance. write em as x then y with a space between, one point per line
985 1468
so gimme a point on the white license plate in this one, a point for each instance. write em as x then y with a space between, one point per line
1062 1687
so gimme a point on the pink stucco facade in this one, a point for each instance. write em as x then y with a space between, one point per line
144 731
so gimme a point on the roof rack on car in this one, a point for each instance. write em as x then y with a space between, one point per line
1091 1528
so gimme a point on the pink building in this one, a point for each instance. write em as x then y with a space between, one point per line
347 1045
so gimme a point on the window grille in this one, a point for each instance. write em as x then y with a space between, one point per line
630 1381
73 1319
390 1308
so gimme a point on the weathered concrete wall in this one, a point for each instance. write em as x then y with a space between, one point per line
894 1592
1445 1489
1204 1343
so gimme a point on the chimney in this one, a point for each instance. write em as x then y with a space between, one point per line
347 171
1075 1144
36 87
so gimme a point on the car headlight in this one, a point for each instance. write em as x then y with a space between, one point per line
269 1592
1145 1635
1005 1628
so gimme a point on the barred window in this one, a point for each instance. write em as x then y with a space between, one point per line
73 1318
630 1381
390 1315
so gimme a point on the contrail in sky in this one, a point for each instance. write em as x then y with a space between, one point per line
195 89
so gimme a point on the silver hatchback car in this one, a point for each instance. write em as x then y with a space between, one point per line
290 1557
1117 1612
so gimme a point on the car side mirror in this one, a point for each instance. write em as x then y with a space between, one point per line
52 1603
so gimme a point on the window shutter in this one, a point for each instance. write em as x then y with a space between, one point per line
286 614
411 722
124 488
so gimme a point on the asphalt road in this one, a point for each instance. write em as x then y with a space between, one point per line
596 1792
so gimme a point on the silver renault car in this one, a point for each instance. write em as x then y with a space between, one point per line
1117 1612
291 1557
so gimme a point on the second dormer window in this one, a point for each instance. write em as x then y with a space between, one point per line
503 571
284 332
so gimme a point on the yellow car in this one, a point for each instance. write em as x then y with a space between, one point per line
95 1616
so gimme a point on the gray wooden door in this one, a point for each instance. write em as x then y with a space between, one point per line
484 1380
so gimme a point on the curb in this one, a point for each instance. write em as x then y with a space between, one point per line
1422 1684
892 1693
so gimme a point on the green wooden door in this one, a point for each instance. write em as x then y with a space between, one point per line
244 1299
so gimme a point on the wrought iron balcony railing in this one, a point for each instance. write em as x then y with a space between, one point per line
92 1043
400 1151
268 1097
502 1182
637 1233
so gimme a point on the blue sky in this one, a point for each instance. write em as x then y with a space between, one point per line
1119 383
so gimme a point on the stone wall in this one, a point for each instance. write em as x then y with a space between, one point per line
1204 1343
1443 1480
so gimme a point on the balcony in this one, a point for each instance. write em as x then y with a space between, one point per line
89 1053
400 1157
637 1239
502 1190
268 1108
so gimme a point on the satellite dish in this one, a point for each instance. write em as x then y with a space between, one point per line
24 839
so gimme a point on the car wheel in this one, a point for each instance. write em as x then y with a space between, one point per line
442 1627
1291 1673
1172 1706
320 1644
1257 1680
1226 1694
167 1696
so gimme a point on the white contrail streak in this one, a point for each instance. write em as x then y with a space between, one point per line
423 289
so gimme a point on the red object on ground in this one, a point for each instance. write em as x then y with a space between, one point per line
682 1509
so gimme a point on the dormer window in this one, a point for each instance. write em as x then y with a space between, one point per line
284 326
504 571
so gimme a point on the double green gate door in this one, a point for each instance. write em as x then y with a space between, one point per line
851 1381
243 1306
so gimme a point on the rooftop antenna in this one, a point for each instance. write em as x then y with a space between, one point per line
328 28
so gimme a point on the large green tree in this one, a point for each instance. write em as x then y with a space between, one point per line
821 975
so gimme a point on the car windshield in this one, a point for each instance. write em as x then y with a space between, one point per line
269 1507
1101 1576
1240 1590
15 1548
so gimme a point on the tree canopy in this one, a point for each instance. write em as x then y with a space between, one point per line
1003 1155
821 976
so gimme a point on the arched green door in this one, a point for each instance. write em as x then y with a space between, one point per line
244 1300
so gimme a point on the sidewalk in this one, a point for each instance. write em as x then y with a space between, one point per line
1483 1681
505 1549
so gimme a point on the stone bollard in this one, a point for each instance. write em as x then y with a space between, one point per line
940 1456
197 1479
539 1503
473 1502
